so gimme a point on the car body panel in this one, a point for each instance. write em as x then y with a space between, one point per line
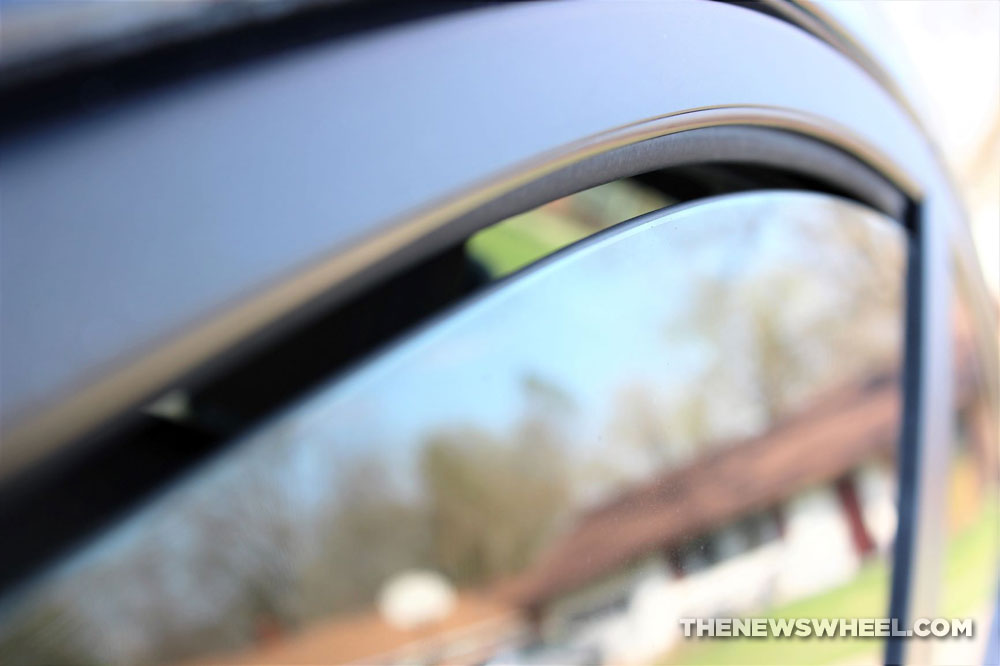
283 147
233 199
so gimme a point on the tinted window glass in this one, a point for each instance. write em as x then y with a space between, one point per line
692 414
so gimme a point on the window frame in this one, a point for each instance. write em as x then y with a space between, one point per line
866 127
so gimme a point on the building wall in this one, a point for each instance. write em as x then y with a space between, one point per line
647 624
593 612
818 550
633 615
877 491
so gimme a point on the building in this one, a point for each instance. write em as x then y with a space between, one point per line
752 523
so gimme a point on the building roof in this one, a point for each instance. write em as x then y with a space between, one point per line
834 435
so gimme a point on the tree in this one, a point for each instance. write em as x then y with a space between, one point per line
492 503
370 532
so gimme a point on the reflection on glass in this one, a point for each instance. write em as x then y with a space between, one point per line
690 415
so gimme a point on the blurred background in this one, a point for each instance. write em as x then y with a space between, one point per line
953 49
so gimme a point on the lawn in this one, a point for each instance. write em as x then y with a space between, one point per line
521 240
970 570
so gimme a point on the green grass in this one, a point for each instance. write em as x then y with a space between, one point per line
521 240
518 241
970 567
970 570
864 596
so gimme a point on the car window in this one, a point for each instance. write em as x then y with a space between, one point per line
690 414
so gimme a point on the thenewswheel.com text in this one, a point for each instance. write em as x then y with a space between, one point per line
806 627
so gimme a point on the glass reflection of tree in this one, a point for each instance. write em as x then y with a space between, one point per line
492 502
484 504
779 322
208 567
368 531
